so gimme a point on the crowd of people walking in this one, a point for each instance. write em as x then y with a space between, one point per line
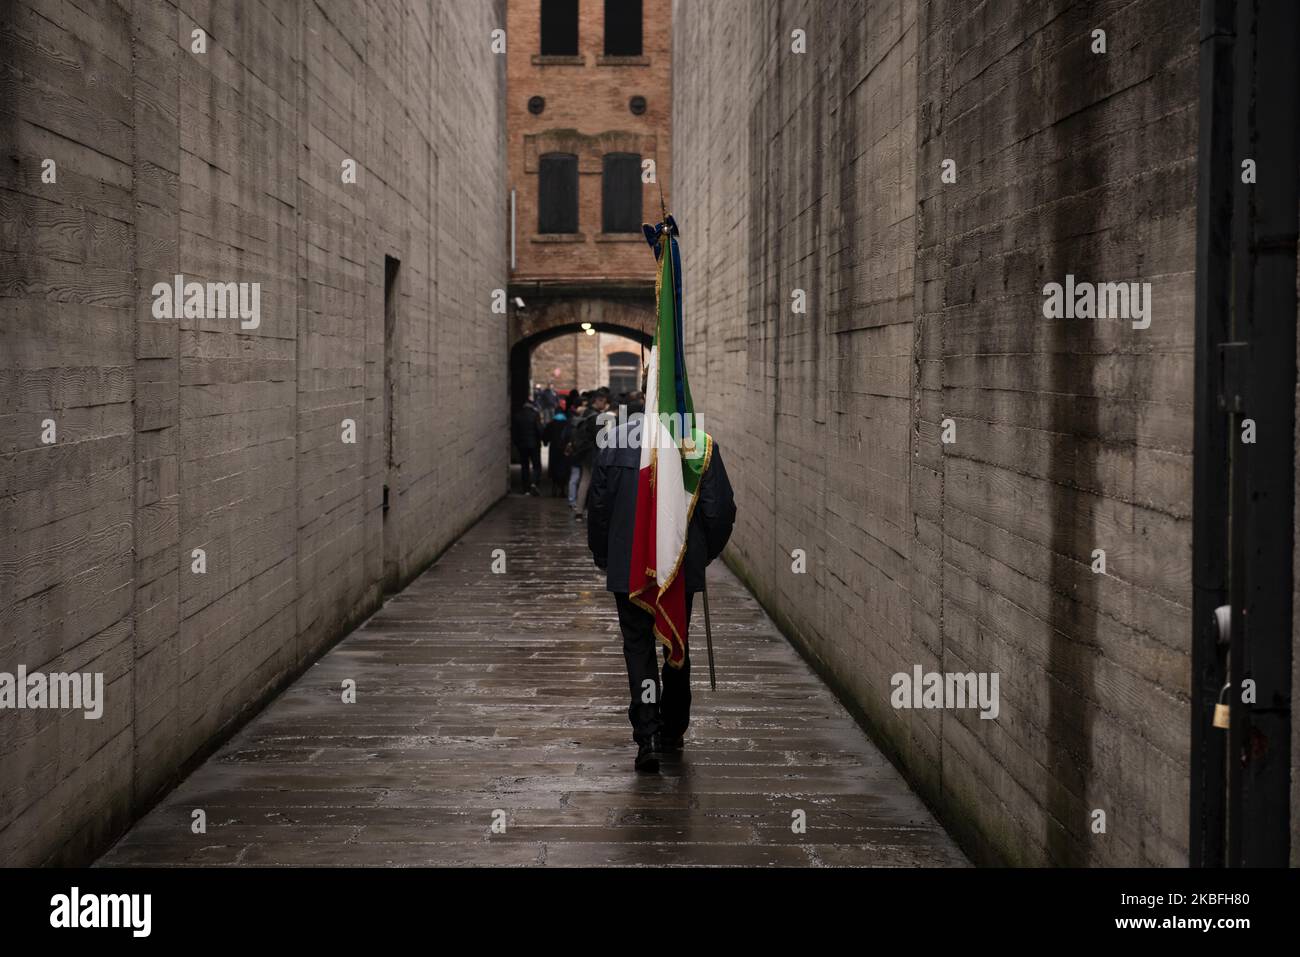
567 426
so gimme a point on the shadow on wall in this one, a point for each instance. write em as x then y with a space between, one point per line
1074 351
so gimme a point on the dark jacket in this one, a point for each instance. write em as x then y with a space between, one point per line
526 427
583 440
611 516
553 436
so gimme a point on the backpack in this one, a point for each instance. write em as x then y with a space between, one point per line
584 436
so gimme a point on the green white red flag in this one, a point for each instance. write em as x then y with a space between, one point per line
674 455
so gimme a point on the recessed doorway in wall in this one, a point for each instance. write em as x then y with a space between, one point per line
392 269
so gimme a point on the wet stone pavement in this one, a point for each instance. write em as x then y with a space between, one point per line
480 693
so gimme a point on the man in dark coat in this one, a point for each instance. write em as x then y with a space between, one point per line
558 464
583 446
658 726
526 433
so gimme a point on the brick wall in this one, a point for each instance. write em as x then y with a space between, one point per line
583 360
183 434
821 172
586 113
558 353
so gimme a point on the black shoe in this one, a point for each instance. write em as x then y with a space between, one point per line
646 759
669 744
532 490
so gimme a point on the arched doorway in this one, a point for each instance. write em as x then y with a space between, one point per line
542 311
521 353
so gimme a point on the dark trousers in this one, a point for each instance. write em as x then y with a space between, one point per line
670 709
529 457
559 471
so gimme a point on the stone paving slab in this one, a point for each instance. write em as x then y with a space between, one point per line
479 692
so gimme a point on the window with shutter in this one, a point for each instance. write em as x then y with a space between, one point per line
557 193
621 193
622 27
560 27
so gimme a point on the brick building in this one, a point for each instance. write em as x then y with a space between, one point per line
586 360
587 131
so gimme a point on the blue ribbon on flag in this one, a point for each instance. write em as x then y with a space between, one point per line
652 236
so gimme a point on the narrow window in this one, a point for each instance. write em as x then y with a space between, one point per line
557 193
560 27
622 27
621 193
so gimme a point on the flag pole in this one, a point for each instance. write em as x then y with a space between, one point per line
704 592
663 210
708 638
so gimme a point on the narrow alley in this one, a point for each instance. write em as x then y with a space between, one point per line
478 693
955 343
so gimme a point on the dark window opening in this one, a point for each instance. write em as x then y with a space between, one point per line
557 193
621 193
560 27
622 27
624 372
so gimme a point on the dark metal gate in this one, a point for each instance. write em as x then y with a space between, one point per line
1244 472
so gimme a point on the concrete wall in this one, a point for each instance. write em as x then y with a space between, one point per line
821 172
181 434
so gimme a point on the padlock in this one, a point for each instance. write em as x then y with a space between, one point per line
1221 711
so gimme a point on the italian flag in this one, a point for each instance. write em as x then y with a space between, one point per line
674 456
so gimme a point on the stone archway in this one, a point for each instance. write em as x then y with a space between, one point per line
552 309
522 350
549 305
